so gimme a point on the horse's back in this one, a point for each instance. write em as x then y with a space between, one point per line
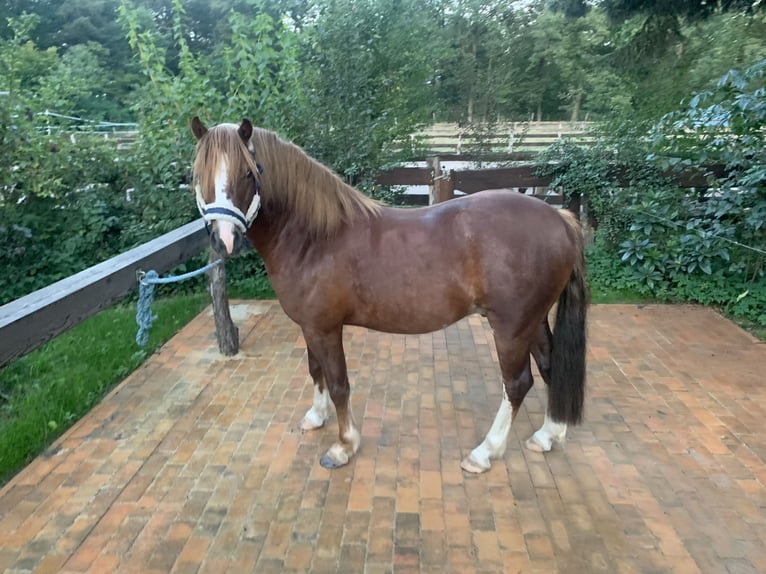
417 270
504 221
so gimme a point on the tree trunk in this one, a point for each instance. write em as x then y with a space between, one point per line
577 103
472 89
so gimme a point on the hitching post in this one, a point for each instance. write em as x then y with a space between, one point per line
226 332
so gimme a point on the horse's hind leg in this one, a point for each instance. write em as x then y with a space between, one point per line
320 409
550 432
513 354
327 348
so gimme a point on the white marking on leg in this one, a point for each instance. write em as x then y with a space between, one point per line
543 439
493 445
319 411
341 452
352 436
338 454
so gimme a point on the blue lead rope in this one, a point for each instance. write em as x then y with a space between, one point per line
147 280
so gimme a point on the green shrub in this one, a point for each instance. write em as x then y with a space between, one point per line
668 242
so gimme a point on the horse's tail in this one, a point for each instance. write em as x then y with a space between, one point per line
567 382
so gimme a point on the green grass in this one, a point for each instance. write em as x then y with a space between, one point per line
46 391
599 294
255 287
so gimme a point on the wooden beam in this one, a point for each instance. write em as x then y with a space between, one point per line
34 319
405 176
471 181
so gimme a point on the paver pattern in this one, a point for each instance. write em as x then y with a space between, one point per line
195 463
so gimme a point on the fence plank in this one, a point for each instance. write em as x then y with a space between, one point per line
405 176
34 319
473 180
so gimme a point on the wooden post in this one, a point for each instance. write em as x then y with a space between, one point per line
226 332
442 185
436 173
446 187
574 204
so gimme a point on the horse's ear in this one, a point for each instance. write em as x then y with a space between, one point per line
198 128
245 130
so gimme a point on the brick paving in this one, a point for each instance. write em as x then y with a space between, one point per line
195 463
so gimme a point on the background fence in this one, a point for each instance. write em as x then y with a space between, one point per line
449 140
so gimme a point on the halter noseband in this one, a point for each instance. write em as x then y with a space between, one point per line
230 213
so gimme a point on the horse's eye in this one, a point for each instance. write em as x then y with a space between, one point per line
249 174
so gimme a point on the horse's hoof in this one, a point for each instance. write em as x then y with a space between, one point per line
309 424
470 465
329 462
335 457
535 446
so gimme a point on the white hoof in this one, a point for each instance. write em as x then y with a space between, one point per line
311 421
535 445
546 435
470 464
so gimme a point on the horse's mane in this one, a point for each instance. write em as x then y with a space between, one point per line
301 186
292 183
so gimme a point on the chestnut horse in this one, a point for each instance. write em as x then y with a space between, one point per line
335 257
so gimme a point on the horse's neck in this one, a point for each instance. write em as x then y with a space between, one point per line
279 239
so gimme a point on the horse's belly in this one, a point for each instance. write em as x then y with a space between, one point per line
411 317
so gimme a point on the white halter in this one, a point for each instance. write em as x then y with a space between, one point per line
229 212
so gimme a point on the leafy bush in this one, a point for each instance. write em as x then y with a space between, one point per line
724 126
662 240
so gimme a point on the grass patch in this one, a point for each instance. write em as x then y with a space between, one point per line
48 390
601 294
255 287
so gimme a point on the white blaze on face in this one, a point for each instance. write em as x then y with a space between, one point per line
225 228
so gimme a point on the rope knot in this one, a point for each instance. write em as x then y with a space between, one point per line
147 280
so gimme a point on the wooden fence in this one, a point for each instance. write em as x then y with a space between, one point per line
503 138
443 185
34 319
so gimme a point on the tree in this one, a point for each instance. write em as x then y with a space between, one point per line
367 69
475 60
568 67
621 10
251 74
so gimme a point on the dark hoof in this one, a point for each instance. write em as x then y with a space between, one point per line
328 462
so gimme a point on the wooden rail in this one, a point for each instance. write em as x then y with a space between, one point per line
34 319
444 184
506 137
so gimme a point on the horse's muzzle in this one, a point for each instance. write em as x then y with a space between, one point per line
221 248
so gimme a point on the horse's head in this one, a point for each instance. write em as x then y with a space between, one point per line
226 182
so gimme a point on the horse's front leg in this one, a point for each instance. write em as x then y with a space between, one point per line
327 349
320 409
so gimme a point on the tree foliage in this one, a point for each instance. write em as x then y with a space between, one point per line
707 246
365 72
350 80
